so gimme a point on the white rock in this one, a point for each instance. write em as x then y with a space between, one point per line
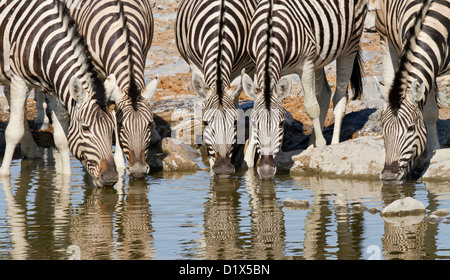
439 168
362 157
407 206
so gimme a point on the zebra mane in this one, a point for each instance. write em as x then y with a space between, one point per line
398 85
267 78
219 82
134 92
98 90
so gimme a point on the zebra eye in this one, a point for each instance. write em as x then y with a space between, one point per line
281 124
85 128
411 128
205 123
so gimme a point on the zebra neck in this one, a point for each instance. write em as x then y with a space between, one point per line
418 61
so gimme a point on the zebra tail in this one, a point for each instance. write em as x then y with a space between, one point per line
356 80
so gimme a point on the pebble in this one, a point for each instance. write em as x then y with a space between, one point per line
407 206
294 203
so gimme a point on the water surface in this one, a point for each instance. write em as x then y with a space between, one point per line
173 216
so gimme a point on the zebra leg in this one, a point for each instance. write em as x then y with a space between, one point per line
344 71
41 121
430 116
312 106
323 95
15 129
119 157
60 120
249 158
28 147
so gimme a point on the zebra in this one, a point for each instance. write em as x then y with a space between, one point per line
212 35
41 48
415 46
119 35
300 37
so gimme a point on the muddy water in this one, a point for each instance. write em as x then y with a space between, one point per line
189 216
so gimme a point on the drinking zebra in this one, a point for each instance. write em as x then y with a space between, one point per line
41 48
211 36
415 46
119 35
300 37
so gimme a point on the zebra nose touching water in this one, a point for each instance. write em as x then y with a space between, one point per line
211 35
415 50
119 35
300 37
41 48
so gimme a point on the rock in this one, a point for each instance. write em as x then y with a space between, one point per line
173 155
373 210
176 162
173 146
432 218
439 168
358 208
362 157
176 110
407 206
440 213
296 204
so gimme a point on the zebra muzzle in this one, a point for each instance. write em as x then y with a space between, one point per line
266 167
137 166
108 175
392 173
223 168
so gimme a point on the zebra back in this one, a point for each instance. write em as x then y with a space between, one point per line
140 23
425 45
103 25
285 33
220 53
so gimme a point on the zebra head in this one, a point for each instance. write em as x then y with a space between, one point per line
267 123
404 134
134 124
219 117
90 135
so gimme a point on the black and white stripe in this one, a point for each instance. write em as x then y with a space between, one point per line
415 45
119 35
301 37
212 37
41 48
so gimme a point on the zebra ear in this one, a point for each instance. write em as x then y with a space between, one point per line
112 90
200 87
417 92
150 89
77 91
249 86
284 88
